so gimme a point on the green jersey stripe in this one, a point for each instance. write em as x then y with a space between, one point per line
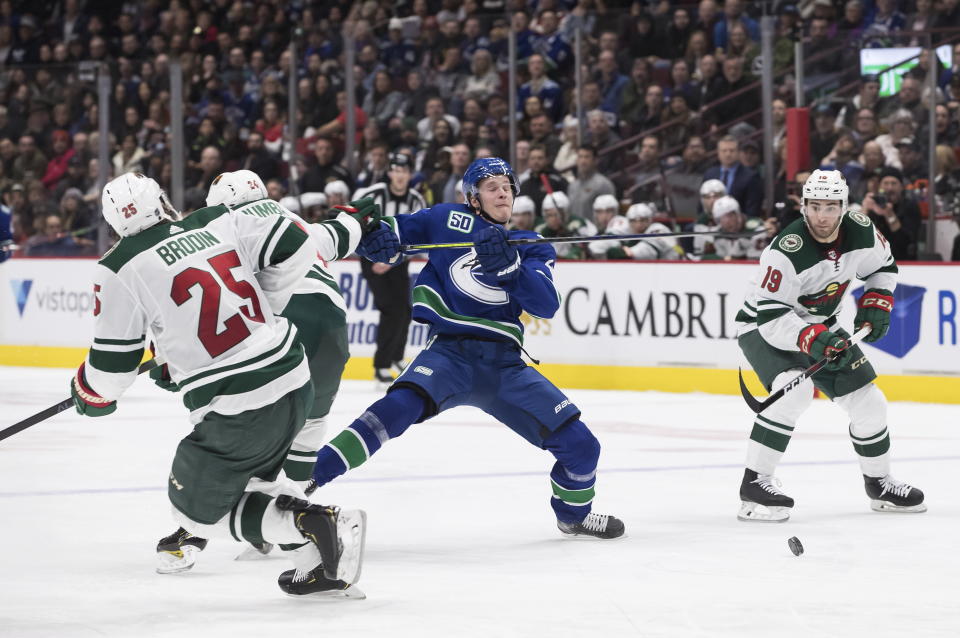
351 448
284 343
114 362
243 382
119 342
342 236
427 297
760 417
868 439
769 315
315 275
266 243
768 438
288 244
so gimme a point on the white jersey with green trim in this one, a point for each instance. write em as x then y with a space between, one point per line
802 282
192 283
334 239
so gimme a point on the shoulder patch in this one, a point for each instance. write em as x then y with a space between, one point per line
460 221
860 218
790 243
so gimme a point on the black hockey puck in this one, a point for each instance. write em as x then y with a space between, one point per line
795 546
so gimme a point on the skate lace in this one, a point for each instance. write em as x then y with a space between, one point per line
595 522
895 487
301 575
769 484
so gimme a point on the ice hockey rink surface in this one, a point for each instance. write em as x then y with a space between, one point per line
462 541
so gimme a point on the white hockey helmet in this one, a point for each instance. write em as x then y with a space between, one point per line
641 211
724 205
618 226
558 200
238 187
829 185
712 187
523 204
133 202
604 202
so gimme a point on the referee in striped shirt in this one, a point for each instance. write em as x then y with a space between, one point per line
390 285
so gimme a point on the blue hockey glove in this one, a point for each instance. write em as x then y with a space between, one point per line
497 258
380 244
85 400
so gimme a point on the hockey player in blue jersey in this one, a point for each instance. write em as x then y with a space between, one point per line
472 298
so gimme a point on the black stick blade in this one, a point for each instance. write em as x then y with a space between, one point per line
752 403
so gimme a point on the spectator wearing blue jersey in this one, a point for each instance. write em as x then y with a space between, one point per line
733 12
541 86
472 299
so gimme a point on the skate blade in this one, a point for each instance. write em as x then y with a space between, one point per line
757 513
352 532
885 506
177 562
252 553
350 593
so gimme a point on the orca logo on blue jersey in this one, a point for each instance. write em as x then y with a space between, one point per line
462 222
465 279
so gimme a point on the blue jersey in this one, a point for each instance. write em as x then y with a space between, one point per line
457 298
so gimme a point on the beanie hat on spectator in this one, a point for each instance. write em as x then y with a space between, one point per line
724 205
891 171
523 204
395 23
335 187
76 193
712 187
558 200
603 202
641 211
307 199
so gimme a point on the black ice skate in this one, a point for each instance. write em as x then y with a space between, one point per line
313 583
318 524
178 551
887 494
762 500
597 525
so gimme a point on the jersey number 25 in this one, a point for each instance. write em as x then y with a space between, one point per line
235 329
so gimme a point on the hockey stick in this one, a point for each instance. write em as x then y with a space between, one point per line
760 406
57 408
572 240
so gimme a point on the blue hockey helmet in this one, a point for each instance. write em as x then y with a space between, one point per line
482 168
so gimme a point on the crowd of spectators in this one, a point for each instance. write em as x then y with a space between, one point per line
670 99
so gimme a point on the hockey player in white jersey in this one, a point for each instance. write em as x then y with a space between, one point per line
240 368
789 320
313 304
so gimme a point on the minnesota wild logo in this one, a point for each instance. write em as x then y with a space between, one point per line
860 218
791 243
825 301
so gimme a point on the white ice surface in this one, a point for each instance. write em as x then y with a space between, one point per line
462 541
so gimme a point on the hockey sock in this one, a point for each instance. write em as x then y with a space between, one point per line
574 474
386 419
302 455
867 409
773 429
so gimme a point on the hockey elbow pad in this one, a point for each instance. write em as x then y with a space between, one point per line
85 400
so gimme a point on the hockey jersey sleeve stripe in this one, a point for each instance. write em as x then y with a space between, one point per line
349 231
341 237
313 274
572 497
261 260
288 243
764 316
106 361
426 297
120 342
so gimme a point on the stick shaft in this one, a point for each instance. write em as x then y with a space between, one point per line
760 406
57 408
573 240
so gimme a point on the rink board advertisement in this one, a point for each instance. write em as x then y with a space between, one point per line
641 326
